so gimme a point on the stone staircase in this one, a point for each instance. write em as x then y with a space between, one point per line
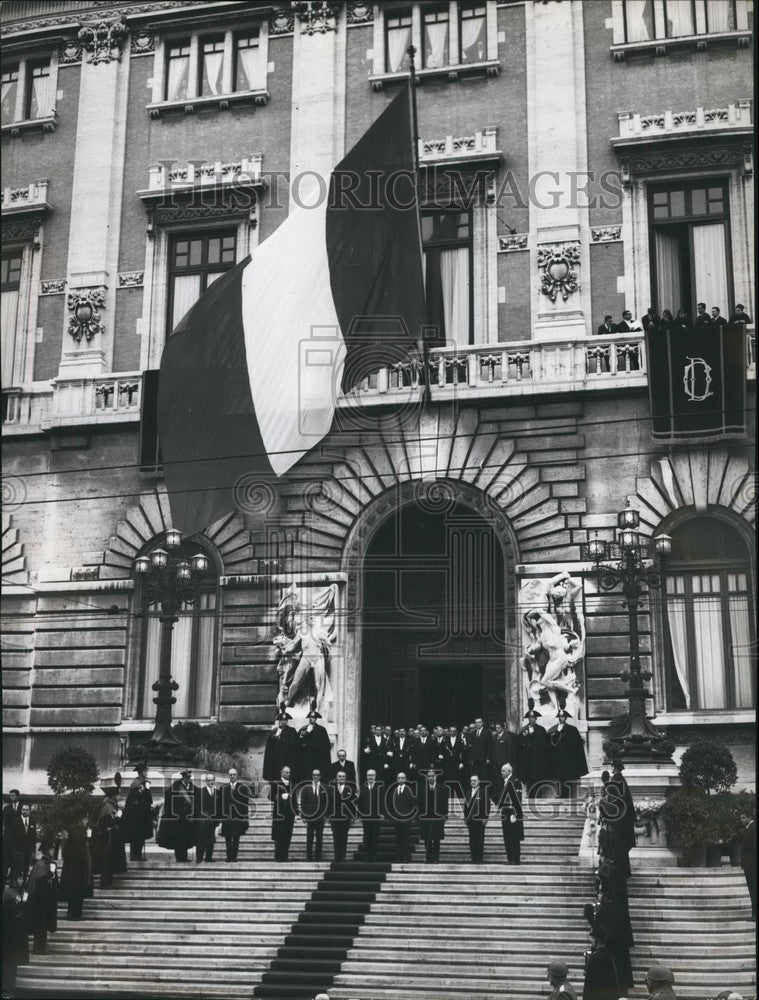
408 932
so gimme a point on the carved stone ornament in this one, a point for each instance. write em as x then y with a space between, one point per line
653 161
142 42
25 230
360 13
131 279
514 241
557 263
69 52
55 286
102 40
606 234
83 304
281 22
316 15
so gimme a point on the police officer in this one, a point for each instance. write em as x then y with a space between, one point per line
557 977
659 981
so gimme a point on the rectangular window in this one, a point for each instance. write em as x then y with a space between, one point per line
689 242
639 20
679 17
39 97
250 73
472 34
10 284
211 82
195 263
178 72
435 34
9 95
720 15
397 41
447 238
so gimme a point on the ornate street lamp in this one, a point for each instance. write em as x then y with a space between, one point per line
632 736
170 580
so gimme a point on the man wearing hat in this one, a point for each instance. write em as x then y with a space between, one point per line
433 812
659 980
533 751
176 830
557 977
137 823
315 749
568 761
281 748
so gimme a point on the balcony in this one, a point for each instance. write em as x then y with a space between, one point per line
636 129
481 371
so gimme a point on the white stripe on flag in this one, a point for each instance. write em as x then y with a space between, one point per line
294 346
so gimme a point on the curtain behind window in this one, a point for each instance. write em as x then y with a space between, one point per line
720 15
181 665
186 294
41 98
454 279
398 40
679 18
473 39
669 292
8 100
252 76
8 317
710 265
676 620
435 44
709 652
179 74
212 63
204 661
640 20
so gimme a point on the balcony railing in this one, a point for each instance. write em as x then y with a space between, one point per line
480 371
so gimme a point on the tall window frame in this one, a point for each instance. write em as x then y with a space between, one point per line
195 636
448 229
679 212
11 271
709 618
29 88
202 255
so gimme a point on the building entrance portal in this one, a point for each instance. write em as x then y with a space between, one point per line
433 619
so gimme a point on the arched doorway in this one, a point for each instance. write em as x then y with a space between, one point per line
433 617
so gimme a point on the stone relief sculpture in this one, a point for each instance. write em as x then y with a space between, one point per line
554 627
304 650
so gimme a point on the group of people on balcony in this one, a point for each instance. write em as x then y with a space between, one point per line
652 321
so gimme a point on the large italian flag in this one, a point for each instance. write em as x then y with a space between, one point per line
249 377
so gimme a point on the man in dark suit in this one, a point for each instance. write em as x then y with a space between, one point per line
281 749
342 764
607 326
137 823
476 812
747 840
282 814
234 798
402 810
207 810
312 808
373 752
506 793
505 748
342 812
739 316
11 811
424 752
702 316
315 748
401 748
453 749
370 813
433 812
22 836
481 750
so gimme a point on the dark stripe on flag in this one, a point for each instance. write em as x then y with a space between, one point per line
373 246
208 429
697 383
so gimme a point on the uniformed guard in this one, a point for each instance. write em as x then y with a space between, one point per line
659 980
557 977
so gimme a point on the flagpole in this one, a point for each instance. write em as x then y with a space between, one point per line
411 50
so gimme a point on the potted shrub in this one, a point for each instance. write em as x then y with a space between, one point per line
708 769
71 773
690 820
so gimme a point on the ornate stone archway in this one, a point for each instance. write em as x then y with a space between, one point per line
435 496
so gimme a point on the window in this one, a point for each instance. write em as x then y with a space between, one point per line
178 72
212 70
435 53
213 61
28 93
193 652
10 285
195 263
709 619
397 41
472 35
447 240
689 241
652 20
9 95
250 71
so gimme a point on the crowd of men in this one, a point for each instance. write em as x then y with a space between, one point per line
669 321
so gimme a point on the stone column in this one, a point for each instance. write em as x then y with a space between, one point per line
96 201
557 156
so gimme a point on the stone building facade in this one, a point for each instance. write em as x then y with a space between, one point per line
578 159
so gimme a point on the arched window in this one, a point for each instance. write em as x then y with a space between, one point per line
709 620
194 645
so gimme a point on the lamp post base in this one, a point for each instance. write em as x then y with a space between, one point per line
637 741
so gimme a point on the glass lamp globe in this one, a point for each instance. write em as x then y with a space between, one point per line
159 558
183 570
173 538
141 565
663 545
199 562
628 518
628 539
